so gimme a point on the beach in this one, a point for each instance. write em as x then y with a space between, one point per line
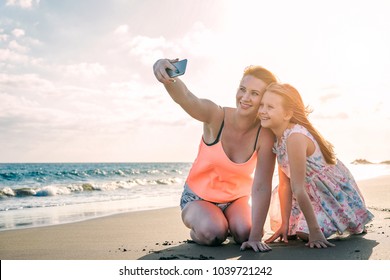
160 235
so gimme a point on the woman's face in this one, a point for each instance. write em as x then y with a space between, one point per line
249 94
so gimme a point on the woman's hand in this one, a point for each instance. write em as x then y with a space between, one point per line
160 70
257 246
281 233
318 240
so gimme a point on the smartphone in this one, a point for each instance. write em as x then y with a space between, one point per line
180 66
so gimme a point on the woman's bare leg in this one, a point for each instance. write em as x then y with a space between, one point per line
207 222
239 217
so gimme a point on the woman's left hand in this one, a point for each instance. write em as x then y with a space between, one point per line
257 246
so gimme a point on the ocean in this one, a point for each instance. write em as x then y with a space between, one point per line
41 194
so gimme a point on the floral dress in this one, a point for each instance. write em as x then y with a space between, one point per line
337 201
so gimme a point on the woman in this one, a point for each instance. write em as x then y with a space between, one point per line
215 200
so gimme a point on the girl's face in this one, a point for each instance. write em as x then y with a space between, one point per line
271 112
249 94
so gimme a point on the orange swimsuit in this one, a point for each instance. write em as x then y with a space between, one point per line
215 178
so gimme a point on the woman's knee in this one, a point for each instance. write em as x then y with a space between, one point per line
211 236
239 216
207 223
240 233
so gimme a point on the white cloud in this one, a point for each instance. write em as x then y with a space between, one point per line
84 70
28 101
329 116
10 103
330 96
199 41
15 54
25 4
17 32
10 56
25 84
17 47
122 29
3 37
149 49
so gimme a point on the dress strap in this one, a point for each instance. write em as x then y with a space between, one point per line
257 137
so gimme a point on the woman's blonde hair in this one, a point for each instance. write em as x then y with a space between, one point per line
292 100
260 73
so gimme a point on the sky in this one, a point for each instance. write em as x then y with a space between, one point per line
76 79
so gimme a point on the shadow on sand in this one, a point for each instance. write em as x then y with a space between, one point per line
349 248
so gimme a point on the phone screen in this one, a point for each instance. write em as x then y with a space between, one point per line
180 66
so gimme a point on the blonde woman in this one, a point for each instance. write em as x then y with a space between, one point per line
215 198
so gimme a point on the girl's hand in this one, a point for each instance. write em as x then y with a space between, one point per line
281 233
257 246
318 240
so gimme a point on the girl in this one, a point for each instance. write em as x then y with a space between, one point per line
318 195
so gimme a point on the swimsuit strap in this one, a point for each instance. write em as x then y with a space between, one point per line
257 136
220 130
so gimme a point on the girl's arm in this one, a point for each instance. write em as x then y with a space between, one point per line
285 197
261 191
298 146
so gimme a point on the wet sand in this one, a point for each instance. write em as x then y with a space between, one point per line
161 235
